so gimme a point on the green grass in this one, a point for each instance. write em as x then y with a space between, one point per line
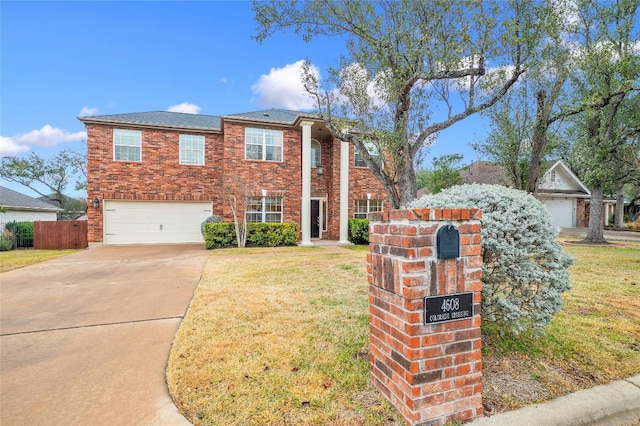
277 336
280 336
594 339
15 259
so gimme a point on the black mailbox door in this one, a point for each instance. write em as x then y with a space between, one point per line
448 242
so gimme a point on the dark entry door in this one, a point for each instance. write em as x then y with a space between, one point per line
315 218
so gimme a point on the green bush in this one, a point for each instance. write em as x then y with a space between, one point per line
524 270
5 245
211 219
217 235
359 231
272 234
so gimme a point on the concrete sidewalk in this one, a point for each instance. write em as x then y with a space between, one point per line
615 404
85 339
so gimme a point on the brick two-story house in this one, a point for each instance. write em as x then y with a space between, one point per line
154 177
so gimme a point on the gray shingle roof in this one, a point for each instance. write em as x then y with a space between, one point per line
15 200
160 119
271 116
197 121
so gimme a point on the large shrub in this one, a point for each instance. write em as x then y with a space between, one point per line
6 239
359 231
525 270
223 234
5 244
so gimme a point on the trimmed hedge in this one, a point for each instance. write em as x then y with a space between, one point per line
223 234
359 231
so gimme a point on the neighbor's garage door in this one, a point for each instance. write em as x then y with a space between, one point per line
154 222
562 211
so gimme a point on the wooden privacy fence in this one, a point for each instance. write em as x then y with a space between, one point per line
63 234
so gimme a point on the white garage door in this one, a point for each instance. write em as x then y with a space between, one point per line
562 211
154 222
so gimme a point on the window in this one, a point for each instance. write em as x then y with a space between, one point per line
316 153
372 148
127 145
264 209
364 207
263 144
192 149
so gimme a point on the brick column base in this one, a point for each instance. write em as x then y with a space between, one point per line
432 373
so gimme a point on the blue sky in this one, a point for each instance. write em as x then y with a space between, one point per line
60 60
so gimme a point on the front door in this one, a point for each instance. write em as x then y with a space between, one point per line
315 218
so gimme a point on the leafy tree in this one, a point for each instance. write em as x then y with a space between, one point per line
609 72
445 173
54 174
236 193
521 122
629 171
524 271
422 176
404 60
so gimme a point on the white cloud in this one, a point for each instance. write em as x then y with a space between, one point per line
87 111
48 137
9 147
184 107
283 88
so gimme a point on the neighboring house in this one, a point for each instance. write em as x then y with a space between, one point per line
559 189
22 208
154 177
73 208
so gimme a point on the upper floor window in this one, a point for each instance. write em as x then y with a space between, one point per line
127 145
316 153
372 148
192 149
264 209
362 208
263 144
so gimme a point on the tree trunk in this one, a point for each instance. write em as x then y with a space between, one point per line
595 233
619 211
407 186
538 143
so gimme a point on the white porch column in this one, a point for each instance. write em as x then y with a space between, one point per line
305 208
344 193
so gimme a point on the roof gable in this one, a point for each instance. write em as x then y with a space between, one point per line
559 178
16 201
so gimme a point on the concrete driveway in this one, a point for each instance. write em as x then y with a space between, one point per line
85 339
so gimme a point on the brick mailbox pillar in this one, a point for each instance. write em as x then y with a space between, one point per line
425 269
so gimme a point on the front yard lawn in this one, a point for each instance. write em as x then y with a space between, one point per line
280 336
15 259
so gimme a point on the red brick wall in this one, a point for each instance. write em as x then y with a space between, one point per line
582 213
361 183
432 373
159 176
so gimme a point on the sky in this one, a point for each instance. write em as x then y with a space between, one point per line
61 60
